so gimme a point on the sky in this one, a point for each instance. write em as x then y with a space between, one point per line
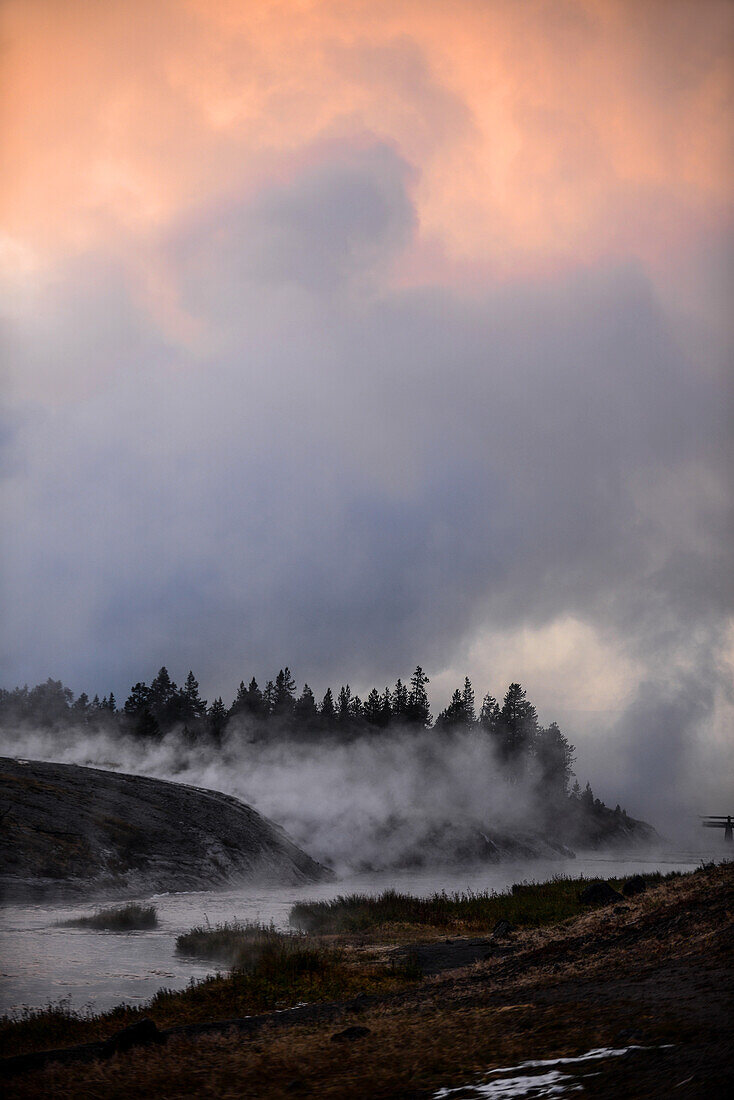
356 335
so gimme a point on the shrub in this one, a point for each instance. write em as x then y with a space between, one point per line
123 918
239 943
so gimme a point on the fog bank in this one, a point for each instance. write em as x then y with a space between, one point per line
375 801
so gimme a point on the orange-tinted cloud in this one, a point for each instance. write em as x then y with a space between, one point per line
541 132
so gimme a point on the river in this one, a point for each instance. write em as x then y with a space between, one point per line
43 963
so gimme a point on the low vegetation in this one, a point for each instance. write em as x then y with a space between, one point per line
657 969
235 943
526 905
272 970
275 970
122 918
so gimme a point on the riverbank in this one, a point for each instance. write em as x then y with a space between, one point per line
652 971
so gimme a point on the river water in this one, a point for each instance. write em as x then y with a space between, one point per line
43 963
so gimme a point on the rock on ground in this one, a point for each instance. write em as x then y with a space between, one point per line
65 829
599 893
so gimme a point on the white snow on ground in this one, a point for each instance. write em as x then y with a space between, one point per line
553 1083
515 1084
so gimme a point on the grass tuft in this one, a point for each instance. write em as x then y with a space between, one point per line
123 918
236 943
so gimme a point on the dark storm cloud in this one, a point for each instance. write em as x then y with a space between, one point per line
346 477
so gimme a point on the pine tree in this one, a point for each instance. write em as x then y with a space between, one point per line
269 699
80 706
554 756
305 709
239 701
519 725
513 706
162 689
285 694
387 708
252 699
489 717
193 707
49 703
146 725
326 710
373 709
217 719
399 701
455 713
418 711
344 705
136 701
163 699
468 700
14 704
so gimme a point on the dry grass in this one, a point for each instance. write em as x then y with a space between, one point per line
122 918
273 971
404 1055
234 943
660 967
526 905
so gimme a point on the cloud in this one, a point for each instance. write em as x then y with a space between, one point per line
555 136
352 346
387 469
337 221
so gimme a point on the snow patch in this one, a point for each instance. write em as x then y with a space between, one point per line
516 1084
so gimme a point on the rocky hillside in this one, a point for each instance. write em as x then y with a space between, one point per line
408 843
65 828
597 826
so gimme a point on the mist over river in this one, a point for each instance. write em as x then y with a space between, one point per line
43 963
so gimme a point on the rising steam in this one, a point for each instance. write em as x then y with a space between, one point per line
377 801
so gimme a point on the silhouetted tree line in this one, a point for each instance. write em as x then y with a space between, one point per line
278 710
